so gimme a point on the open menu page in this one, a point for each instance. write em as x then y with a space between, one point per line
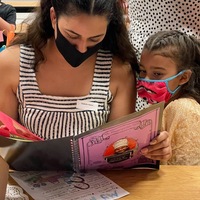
117 144
59 185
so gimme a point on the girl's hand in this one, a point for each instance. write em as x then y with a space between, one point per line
159 148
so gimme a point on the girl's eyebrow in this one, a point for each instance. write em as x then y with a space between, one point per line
153 67
159 68
80 35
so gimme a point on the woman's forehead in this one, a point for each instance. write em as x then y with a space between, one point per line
84 24
84 19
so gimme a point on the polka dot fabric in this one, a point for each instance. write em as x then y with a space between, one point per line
148 17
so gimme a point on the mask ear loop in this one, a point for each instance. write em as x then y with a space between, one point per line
171 78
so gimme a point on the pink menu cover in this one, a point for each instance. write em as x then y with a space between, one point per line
118 144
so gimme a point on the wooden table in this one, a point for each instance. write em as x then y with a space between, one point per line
168 183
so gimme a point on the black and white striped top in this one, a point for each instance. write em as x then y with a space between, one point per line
54 116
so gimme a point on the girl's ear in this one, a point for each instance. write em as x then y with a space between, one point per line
53 17
185 77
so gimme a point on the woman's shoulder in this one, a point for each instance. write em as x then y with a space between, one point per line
122 76
9 68
9 57
121 68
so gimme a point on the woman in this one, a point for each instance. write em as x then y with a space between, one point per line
71 71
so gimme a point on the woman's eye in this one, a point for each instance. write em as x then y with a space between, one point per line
72 36
94 40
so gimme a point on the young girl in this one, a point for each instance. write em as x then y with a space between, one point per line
149 17
170 72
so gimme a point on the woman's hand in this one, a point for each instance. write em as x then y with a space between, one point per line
159 148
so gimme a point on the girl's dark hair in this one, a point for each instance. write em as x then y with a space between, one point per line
116 39
184 50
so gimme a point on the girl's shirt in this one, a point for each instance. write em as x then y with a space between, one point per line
181 118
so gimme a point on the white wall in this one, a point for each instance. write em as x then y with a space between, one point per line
22 16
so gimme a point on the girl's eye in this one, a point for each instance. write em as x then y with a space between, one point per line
157 74
142 73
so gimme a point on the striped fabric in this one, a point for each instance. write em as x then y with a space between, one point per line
54 116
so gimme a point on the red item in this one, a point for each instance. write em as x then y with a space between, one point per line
132 143
13 129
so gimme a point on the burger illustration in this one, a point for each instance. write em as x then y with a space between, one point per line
120 150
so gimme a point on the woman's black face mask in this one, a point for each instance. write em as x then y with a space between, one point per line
70 53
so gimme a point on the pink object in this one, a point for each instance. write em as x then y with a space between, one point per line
11 128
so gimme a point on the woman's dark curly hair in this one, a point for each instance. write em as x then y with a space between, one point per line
116 39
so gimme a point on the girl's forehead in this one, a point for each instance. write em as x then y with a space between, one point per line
154 60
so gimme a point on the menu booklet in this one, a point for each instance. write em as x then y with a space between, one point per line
114 145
